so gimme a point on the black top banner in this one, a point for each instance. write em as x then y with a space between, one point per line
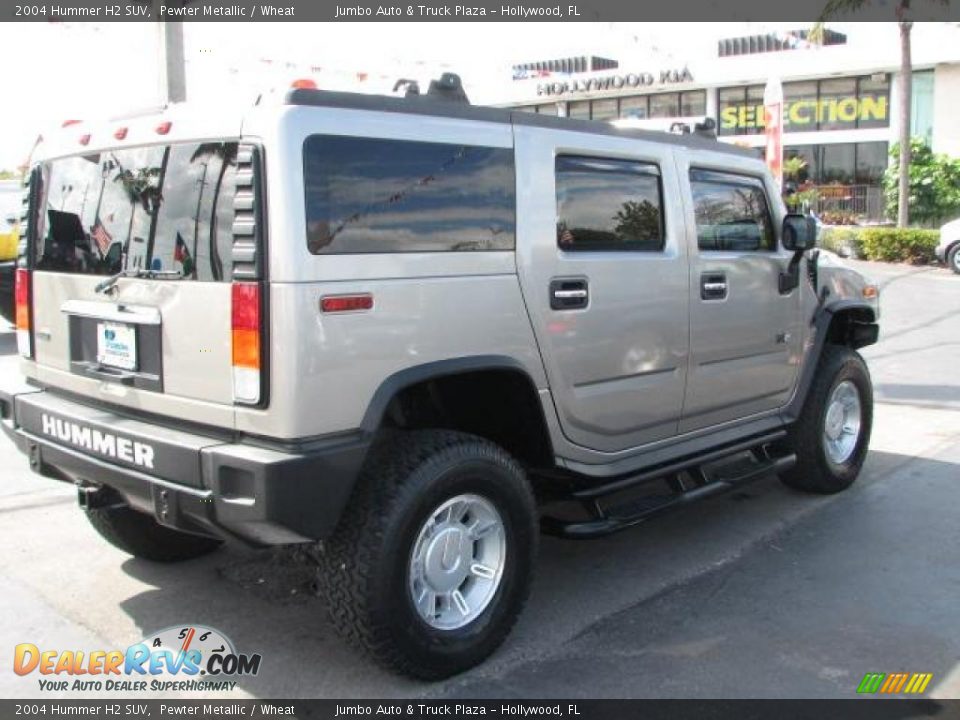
470 11
508 709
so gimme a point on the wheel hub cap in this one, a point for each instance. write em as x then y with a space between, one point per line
841 425
457 562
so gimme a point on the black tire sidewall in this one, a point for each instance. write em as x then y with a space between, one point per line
433 483
953 258
849 367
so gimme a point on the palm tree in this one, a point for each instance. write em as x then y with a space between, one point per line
227 154
902 12
141 186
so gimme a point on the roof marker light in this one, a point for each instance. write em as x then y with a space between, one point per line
120 133
303 84
85 139
164 127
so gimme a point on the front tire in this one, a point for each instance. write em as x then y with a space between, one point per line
953 258
430 565
832 435
140 535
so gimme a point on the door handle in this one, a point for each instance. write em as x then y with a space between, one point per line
713 286
569 294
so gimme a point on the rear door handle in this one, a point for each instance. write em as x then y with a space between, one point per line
569 294
713 286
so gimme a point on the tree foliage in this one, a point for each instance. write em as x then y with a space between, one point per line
934 185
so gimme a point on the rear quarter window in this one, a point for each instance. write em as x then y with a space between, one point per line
372 195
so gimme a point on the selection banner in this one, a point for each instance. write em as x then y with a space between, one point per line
471 11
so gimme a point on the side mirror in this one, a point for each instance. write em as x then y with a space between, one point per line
799 232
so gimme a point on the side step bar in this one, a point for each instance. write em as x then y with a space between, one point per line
631 513
679 465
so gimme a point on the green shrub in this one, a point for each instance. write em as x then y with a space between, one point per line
844 241
899 245
934 184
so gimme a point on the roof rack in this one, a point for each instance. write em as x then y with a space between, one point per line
447 87
440 105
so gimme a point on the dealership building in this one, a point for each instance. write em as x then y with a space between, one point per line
840 99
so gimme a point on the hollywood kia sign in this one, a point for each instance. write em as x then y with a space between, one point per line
613 82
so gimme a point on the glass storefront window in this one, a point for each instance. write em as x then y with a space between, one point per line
921 101
605 109
634 107
800 107
872 161
579 109
837 164
730 100
874 97
693 104
665 105
841 163
838 107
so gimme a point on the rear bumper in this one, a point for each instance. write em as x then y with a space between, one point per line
188 481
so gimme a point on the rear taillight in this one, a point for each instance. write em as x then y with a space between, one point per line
22 303
246 338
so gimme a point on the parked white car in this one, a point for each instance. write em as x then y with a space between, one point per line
948 250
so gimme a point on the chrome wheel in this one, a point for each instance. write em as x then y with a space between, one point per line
841 425
457 562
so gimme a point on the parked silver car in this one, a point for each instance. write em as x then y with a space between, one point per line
378 325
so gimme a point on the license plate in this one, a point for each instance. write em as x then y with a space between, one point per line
117 345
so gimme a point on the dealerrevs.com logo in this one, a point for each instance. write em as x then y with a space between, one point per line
177 659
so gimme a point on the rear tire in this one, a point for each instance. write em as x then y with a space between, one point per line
433 509
140 535
832 435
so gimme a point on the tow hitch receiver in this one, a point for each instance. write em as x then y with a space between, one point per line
95 497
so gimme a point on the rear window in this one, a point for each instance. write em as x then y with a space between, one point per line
160 208
368 195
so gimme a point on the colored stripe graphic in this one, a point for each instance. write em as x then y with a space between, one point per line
895 683
871 682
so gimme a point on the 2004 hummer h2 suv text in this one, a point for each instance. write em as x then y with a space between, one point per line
413 333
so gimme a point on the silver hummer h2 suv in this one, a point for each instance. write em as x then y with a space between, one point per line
413 334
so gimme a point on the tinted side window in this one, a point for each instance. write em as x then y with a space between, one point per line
368 195
608 205
731 213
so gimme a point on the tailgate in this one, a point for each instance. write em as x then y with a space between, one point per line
132 270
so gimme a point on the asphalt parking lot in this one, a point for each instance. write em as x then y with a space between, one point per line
762 593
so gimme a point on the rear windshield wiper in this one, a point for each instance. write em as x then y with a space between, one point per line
109 282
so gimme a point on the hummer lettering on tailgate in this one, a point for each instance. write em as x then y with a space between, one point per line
122 448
